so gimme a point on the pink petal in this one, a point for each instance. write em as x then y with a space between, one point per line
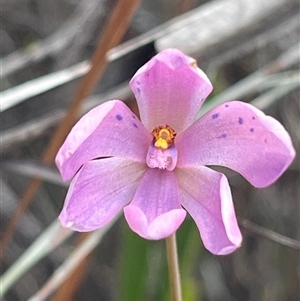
238 136
110 129
99 191
170 89
155 211
206 195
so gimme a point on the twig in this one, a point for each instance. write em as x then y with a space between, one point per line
113 32
34 128
70 264
30 225
71 285
52 237
281 239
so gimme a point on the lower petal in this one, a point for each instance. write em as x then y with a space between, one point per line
206 195
155 211
238 136
99 191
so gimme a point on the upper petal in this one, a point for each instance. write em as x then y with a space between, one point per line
170 89
155 211
110 129
238 136
206 195
99 191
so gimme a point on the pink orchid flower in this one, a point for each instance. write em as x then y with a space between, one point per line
156 168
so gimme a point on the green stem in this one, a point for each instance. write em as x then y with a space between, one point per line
172 257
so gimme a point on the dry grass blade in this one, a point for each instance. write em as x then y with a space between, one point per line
52 237
71 285
15 95
56 43
276 93
112 34
237 15
36 127
259 80
25 202
35 170
71 263
281 239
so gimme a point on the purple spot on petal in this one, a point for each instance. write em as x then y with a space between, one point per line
119 117
252 130
138 82
222 136
265 140
253 118
135 125
226 106
241 121
214 116
138 90
133 116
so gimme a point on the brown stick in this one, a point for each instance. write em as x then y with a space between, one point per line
69 288
113 32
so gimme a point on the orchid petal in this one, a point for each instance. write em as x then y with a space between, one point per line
155 211
110 129
206 195
170 89
99 191
238 136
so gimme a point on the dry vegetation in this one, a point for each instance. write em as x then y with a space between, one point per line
40 37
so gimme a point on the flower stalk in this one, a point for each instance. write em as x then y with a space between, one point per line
173 266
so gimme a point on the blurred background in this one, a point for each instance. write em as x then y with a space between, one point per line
249 49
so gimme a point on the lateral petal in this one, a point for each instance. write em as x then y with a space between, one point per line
99 191
238 136
206 195
110 129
